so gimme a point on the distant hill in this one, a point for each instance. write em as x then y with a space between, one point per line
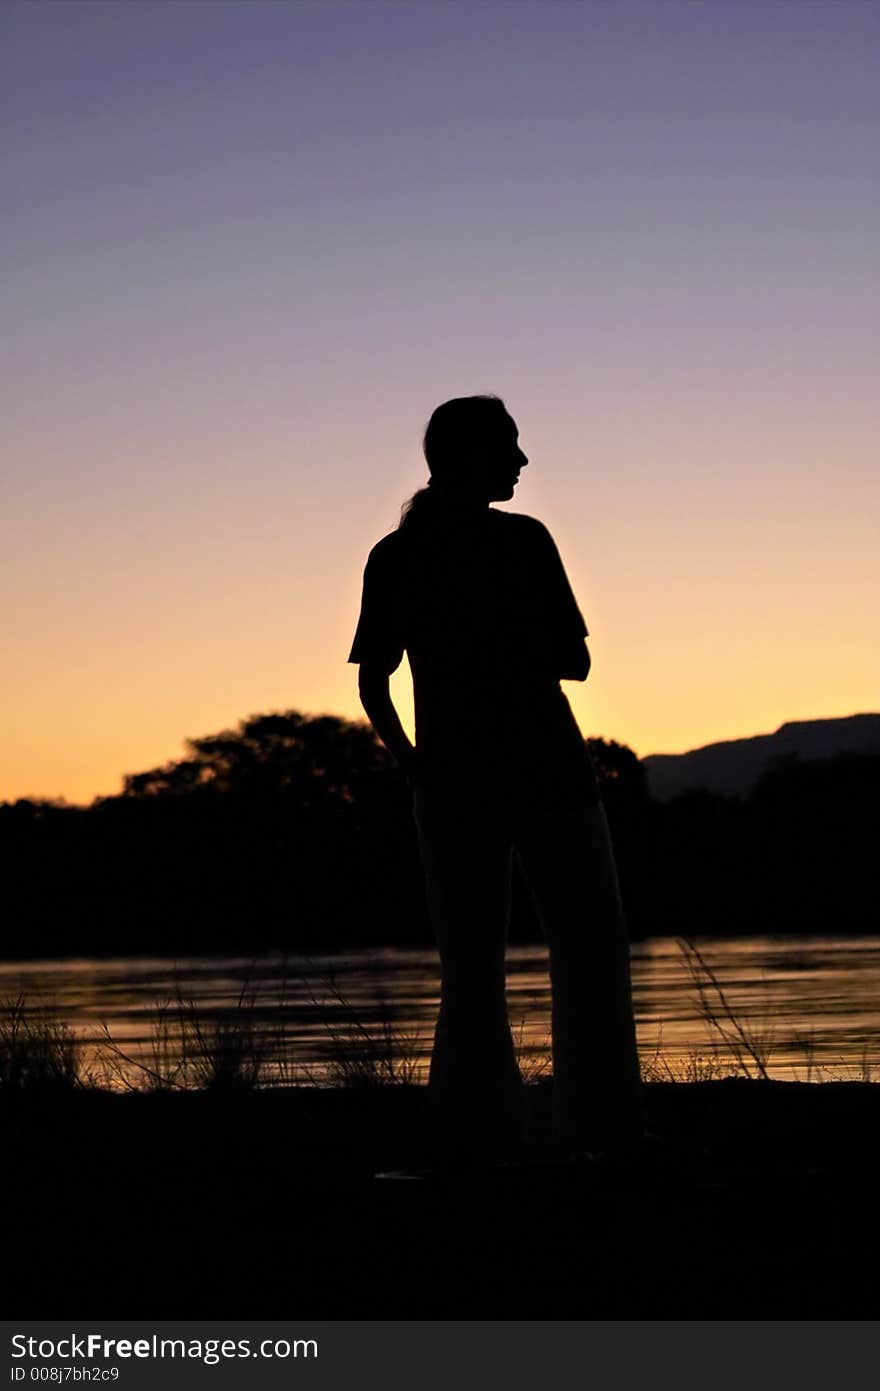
733 766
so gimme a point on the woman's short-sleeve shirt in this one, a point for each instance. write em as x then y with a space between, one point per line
484 610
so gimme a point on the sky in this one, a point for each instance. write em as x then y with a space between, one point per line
249 245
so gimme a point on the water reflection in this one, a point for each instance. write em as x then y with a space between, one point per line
812 1002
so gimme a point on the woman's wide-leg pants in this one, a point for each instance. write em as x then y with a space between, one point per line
469 830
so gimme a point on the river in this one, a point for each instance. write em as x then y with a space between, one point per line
803 1009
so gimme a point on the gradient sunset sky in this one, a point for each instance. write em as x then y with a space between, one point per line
250 246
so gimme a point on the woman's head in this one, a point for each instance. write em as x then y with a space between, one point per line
471 447
473 456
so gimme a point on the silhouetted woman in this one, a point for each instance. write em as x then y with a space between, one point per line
480 602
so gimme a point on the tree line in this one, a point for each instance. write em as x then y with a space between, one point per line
296 832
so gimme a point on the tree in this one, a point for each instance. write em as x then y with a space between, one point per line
621 775
312 757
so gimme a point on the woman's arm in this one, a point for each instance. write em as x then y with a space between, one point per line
375 695
566 622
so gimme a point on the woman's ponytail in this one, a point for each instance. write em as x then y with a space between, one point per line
418 508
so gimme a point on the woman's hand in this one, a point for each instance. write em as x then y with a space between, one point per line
376 700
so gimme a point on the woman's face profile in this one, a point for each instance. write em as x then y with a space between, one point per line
504 460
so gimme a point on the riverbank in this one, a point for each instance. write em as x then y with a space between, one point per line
762 1205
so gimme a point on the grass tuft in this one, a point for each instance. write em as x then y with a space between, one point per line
365 1053
37 1053
189 1052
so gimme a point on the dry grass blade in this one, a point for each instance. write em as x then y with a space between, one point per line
657 1067
716 1010
533 1060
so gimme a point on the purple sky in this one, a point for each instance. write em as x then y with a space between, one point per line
250 246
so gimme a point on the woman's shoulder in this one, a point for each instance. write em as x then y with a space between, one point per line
519 519
523 527
387 550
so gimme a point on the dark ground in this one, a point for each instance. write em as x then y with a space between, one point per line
764 1205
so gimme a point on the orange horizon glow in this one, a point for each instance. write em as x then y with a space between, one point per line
136 629
82 791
